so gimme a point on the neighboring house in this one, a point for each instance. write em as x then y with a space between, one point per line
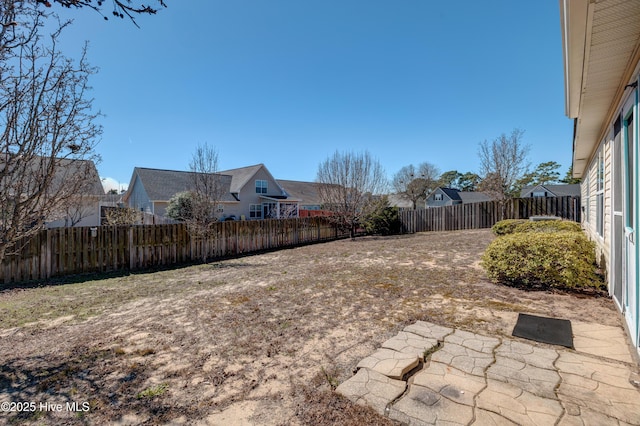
400 201
249 192
306 192
84 208
451 196
601 47
151 189
572 190
259 194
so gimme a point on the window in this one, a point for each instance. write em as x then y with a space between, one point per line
261 187
437 197
536 194
220 208
255 211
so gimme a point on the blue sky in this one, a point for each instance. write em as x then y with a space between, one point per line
288 82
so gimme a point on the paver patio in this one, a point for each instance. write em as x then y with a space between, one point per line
466 378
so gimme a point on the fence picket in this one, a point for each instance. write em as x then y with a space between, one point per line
486 214
66 251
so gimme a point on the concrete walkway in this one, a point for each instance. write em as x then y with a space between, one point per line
428 375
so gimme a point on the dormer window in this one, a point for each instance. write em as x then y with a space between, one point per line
261 187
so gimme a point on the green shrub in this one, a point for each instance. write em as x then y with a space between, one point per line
564 260
507 226
382 219
548 226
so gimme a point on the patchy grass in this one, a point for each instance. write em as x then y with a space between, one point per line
78 301
153 391
242 340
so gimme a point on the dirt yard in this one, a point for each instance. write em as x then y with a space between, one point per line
258 340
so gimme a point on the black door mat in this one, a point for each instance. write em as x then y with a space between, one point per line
546 330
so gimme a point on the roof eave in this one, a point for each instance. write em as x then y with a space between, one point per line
574 22
574 18
600 53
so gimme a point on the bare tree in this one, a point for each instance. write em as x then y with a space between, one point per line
47 129
502 163
79 208
115 216
415 183
208 189
347 183
121 8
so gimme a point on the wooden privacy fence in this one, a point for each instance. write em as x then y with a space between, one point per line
67 251
486 214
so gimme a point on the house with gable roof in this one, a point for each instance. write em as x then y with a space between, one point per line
260 196
450 196
249 192
151 189
82 208
567 190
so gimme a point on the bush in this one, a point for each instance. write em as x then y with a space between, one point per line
510 226
563 260
507 226
548 226
180 206
382 219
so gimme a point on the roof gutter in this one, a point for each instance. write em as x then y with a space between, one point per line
575 16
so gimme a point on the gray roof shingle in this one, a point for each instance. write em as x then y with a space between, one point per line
559 190
306 192
161 185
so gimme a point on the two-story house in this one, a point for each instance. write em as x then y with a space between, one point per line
248 192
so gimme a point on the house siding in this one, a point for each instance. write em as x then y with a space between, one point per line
90 214
608 199
601 53
590 194
249 196
138 198
446 200
605 242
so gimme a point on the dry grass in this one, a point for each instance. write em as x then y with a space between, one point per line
261 339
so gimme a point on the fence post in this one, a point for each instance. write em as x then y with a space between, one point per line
130 248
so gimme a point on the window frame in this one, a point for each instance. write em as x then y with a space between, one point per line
262 186
255 211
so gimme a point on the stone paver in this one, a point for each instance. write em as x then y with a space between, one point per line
489 418
517 405
476 342
601 340
429 330
598 385
411 343
371 388
451 383
390 363
424 406
463 358
528 353
533 372
473 379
